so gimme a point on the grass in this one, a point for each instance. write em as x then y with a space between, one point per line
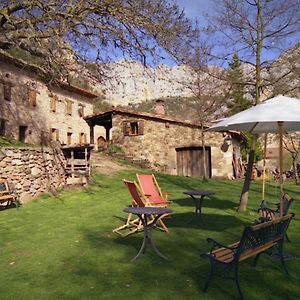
64 248
8 142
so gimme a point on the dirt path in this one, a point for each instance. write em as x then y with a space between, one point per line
107 165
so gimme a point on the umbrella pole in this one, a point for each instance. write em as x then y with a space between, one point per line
264 173
280 124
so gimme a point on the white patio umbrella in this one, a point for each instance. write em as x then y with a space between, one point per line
277 115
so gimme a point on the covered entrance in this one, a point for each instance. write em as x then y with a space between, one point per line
190 161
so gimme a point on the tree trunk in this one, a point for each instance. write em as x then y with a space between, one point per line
259 45
296 175
245 191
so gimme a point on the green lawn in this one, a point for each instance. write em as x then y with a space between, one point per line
64 248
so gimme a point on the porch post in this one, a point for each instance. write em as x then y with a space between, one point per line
107 137
92 138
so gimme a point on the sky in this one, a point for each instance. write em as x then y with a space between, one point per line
196 8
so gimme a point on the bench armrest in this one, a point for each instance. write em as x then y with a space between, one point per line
216 244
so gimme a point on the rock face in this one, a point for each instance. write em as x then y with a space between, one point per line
32 171
128 82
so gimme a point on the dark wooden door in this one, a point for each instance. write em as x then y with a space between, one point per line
190 161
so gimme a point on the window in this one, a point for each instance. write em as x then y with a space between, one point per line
44 137
81 110
22 133
31 97
133 127
7 91
82 138
69 138
2 126
54 134
53 100
69 107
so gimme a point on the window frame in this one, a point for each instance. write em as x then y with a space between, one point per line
133 127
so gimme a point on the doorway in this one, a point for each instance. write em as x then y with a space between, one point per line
22 133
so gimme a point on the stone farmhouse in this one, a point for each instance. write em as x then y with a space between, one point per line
166 144
32 111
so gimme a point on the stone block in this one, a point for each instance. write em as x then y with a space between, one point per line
17 162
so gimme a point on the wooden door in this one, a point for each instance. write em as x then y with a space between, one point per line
190 161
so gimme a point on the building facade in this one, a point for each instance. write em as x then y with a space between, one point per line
168 145
32 111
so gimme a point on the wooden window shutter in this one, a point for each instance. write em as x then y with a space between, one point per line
141 127
53 100
69 138
80 110
54 134
69 107
7 91
126 128
31 96
57 135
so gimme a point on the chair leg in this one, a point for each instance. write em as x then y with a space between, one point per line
255 260
280 248
163 225
237 281
212 267
135 224
287 238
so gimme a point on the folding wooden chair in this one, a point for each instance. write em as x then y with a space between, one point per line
138 199
151 190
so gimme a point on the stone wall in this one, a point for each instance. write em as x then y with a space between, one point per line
32 171
160 139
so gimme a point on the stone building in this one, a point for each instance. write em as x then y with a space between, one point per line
31 110
168 145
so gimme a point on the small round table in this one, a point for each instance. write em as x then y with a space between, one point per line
143 213
198 200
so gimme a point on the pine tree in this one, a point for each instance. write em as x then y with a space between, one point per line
237 101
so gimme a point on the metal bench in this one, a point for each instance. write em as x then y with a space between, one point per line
255 240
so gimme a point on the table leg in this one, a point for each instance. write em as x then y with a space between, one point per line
148 228
198 207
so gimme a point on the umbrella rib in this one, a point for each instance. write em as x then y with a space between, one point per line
253 127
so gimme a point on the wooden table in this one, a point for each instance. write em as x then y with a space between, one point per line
149 217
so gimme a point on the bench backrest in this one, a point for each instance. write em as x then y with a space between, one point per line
3 187
263 234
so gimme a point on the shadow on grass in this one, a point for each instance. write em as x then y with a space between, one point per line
212 202
212 222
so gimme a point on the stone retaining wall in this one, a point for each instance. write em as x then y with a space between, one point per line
32 171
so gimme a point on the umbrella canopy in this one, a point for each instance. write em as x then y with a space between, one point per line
277 115
264 117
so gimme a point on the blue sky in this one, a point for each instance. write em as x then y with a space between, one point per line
196 8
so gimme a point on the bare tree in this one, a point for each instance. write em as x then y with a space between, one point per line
206 87
53 34
259 31
291 143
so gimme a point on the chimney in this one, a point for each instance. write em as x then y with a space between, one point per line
159 107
